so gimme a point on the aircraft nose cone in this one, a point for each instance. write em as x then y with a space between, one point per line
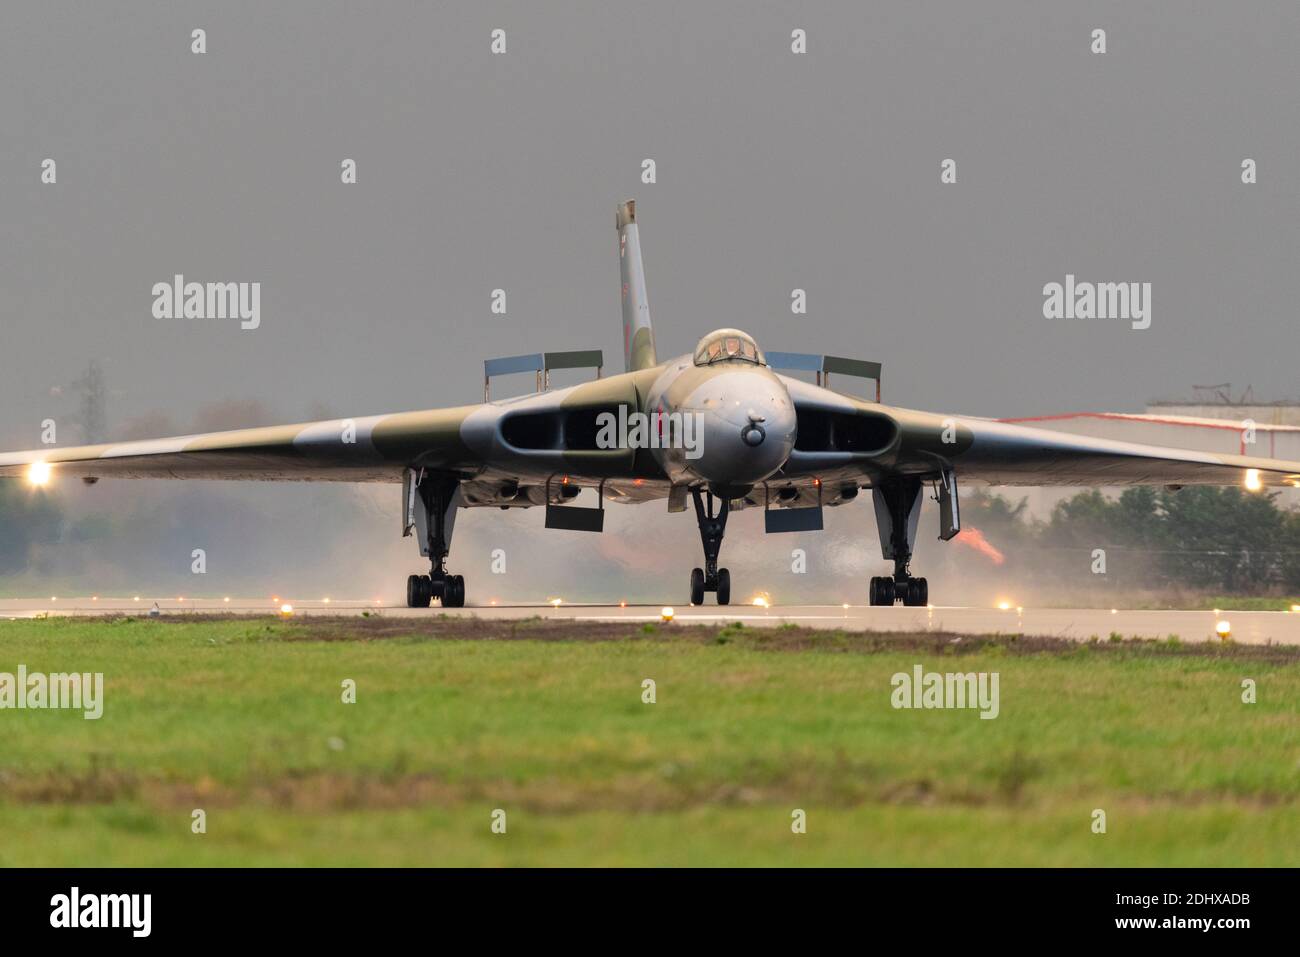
748 427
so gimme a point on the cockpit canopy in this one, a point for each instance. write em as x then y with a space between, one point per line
728 345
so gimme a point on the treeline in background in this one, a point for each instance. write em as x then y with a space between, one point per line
1195 540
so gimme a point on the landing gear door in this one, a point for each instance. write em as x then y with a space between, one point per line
949 513
415 511
410 503
898 504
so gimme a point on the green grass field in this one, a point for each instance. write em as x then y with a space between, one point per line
455 718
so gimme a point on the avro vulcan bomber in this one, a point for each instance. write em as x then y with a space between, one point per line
715 430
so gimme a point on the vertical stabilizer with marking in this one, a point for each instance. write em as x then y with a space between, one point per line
638 337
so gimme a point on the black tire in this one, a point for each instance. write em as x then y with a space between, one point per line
417 591
724 586
453 592
875 593
916 592
887 591
697 586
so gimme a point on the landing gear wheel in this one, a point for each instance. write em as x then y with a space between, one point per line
881 591
724 586
418 591
915 592
909 592
453 592
697 586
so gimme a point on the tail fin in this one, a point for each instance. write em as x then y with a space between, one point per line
638 336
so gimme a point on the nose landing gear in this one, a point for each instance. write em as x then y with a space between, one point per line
713 524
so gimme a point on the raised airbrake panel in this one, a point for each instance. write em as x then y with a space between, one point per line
796 361
576 359
823 366
541 364
858 367
508 364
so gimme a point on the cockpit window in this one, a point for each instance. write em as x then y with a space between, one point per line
727 345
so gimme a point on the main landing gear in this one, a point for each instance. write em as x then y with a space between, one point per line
431 504
885 590
713 524
898 508
422 589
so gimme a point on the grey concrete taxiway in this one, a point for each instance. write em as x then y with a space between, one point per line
1253 627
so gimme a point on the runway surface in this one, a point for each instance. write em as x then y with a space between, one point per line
1249 627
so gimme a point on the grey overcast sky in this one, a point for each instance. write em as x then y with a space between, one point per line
775 171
